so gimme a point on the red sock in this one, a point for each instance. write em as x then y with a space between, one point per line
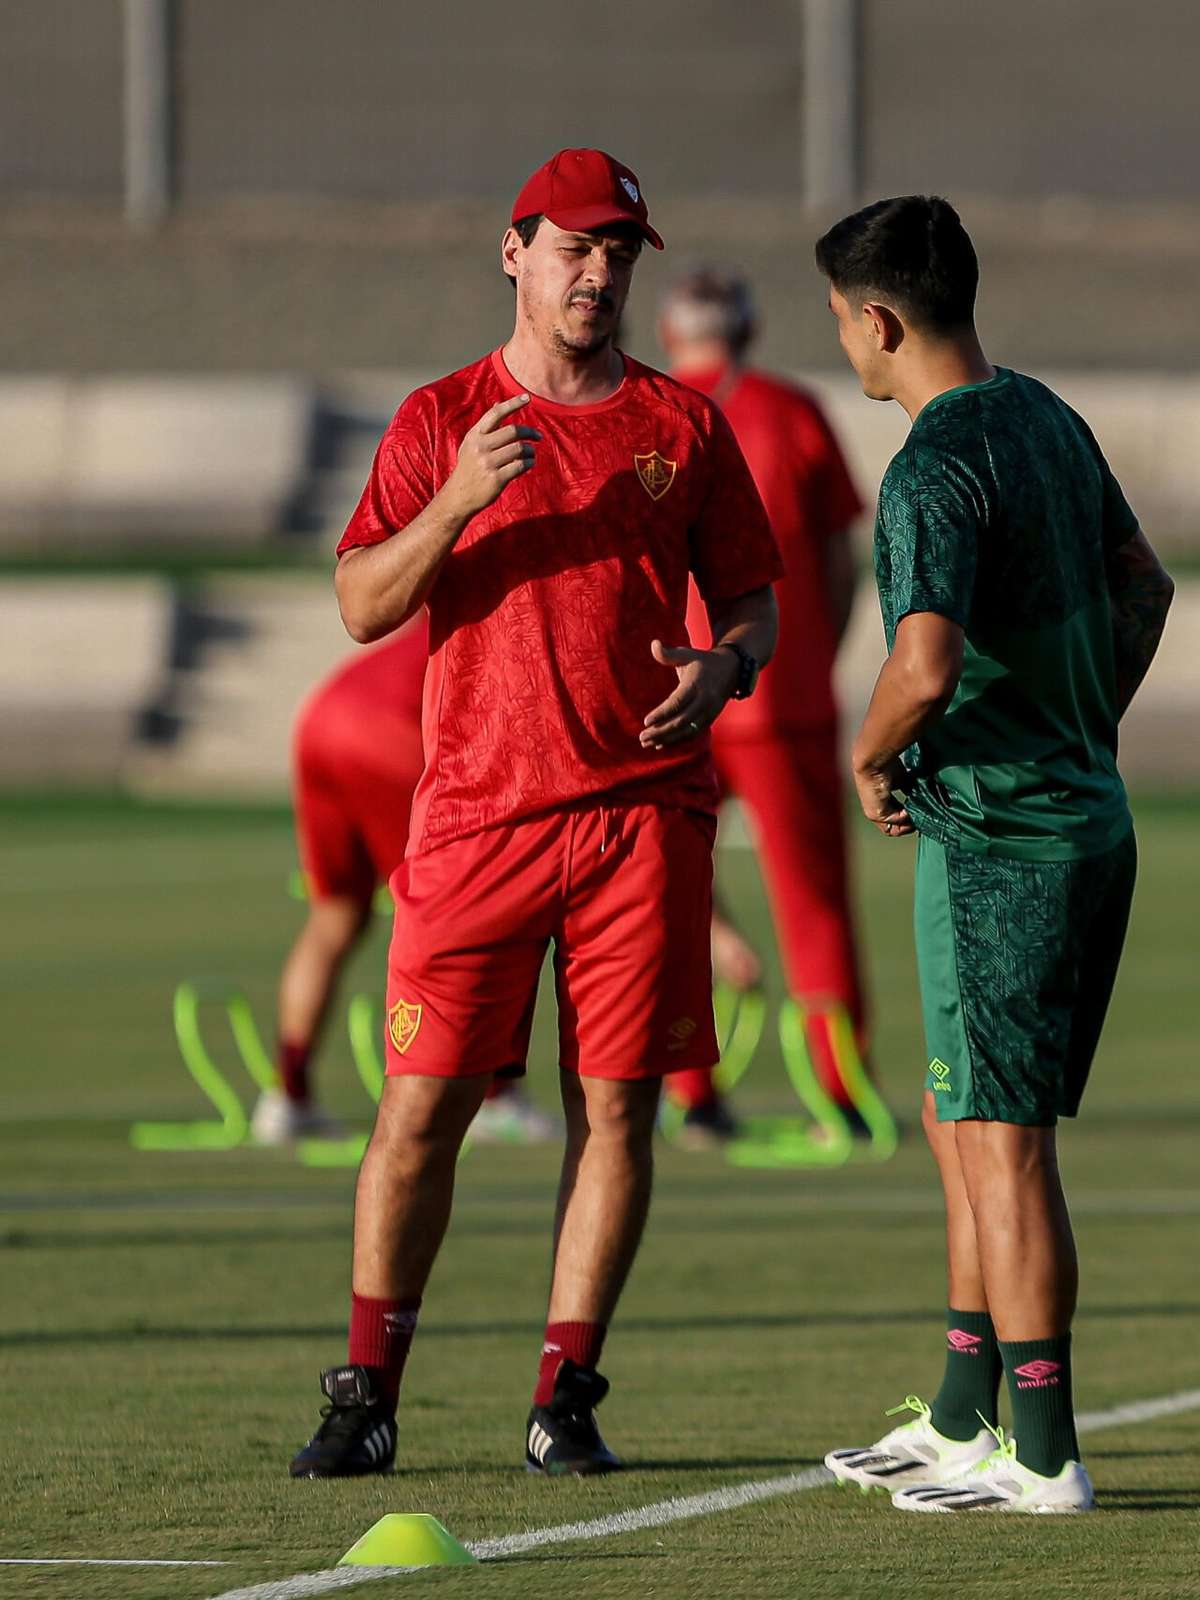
292 1062
381 1335
580 1342
692 1088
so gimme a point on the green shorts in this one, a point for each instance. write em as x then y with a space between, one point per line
1017 961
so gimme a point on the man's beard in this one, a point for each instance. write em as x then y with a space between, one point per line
584 343
588 338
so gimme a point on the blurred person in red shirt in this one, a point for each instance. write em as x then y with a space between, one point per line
356 760
778 751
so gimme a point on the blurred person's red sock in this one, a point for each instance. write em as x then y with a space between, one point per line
291 1061
693 1088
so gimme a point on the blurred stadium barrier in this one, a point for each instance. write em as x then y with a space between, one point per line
193 692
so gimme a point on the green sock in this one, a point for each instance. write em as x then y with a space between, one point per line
1039 1387
971 1386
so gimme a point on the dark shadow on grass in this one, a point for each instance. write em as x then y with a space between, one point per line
1174 1499
1134 1455
722 1464
152 1333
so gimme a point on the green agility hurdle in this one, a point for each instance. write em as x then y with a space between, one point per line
821 1138
232 1127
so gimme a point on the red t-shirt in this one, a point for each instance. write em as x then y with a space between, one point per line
810 498
364 717
540 672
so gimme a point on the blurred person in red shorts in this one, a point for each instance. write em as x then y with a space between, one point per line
548 504
778 752
356 759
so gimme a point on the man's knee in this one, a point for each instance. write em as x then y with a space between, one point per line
424 1114
336 921
998 1152
619 1111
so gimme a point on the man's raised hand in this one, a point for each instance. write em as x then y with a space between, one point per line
491 455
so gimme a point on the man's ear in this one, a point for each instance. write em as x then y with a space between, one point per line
886 327
510 245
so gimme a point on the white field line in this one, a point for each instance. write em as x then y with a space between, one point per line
730 1498
92 1561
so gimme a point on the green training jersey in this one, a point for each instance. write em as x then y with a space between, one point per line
999 512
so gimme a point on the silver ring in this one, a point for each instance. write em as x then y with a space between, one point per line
694 726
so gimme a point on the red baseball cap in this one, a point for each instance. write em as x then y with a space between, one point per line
585 189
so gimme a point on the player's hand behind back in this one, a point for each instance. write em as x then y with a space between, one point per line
491 455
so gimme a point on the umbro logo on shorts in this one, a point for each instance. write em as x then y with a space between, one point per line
940 1073
681 1031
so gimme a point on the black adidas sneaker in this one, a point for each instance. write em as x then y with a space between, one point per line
357 1433
562 1439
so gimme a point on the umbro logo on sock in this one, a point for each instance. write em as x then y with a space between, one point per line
967 1344
1038 1374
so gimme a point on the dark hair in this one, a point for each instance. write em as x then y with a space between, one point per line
912 251
525 228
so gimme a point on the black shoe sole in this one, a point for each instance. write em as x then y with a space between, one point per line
584 1469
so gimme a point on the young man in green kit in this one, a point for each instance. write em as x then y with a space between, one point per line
1022 607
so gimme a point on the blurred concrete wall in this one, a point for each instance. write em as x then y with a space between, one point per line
398 100
192 692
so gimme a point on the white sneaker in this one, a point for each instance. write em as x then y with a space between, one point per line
276 1120
1003 1484
913 1453
512 1118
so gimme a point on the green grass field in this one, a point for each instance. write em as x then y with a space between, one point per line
164 1316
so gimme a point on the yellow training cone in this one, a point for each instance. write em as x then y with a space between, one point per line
408 1539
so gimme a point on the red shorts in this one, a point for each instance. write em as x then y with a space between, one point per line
624 893
352 824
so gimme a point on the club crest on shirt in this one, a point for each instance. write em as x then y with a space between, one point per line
403 1022
656 473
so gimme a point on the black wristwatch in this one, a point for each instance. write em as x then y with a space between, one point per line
747 671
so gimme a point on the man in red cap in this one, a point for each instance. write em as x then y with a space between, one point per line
548 504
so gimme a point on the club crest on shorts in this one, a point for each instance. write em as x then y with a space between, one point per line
403 1022
655 472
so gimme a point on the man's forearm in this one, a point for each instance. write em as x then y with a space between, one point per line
1139 614
902 707
380 586
751 622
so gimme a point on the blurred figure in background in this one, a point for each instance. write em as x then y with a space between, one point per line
356 759
778 751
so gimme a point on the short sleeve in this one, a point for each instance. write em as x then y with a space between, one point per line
402 482
732 547
932 514
834 502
